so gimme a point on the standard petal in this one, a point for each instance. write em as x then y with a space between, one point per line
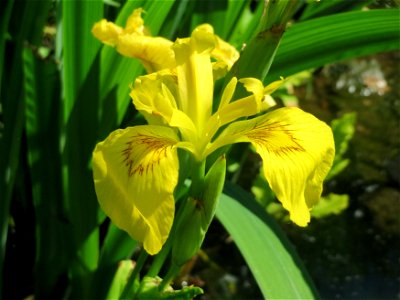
155 53
107 32
195 75
135 174
297 151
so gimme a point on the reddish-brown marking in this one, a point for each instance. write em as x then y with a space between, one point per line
158 148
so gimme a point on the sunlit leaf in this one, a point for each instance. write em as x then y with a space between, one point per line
313 43
270 256
330 204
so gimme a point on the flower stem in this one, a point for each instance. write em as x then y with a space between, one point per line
198 174
172 272
159 260
138 267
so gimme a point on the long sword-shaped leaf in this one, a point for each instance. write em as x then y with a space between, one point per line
41 91
328 7
270 256
6 136
78 134
16 24
316 42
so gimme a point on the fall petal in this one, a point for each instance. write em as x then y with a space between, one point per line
297 151
135 174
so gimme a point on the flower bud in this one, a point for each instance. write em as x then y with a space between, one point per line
197 215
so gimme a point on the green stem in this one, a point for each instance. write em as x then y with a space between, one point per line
198 174
138 267
159 260
172 272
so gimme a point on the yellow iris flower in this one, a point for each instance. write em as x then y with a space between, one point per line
136 168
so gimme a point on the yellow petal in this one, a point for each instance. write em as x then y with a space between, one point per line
135 23
225 52
135 174
153 98
297 152
228 93
273 86
229 111
107 32
195 75
155 53
254 86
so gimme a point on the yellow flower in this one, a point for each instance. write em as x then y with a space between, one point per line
155 53
136 168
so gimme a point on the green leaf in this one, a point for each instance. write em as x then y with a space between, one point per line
270 256
109 281
80 63
118 283
4 20
330 204
328 7
117 248
313 43
245 26
118 245
343 131
150 289
42 112
16 24
7 137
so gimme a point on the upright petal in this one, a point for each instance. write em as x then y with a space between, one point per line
297 152
195 75
135 174
229 111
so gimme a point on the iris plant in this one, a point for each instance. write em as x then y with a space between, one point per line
136 169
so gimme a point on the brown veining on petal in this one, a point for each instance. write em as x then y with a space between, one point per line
275 137
151 150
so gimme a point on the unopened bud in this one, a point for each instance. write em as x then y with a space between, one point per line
197 215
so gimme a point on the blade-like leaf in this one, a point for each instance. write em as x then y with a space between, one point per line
272 260
41 88
16 24
316 42
6 136
78 135
328 7
118 245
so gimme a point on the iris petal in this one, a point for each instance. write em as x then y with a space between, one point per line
155 53
195 76
135 174
297 151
